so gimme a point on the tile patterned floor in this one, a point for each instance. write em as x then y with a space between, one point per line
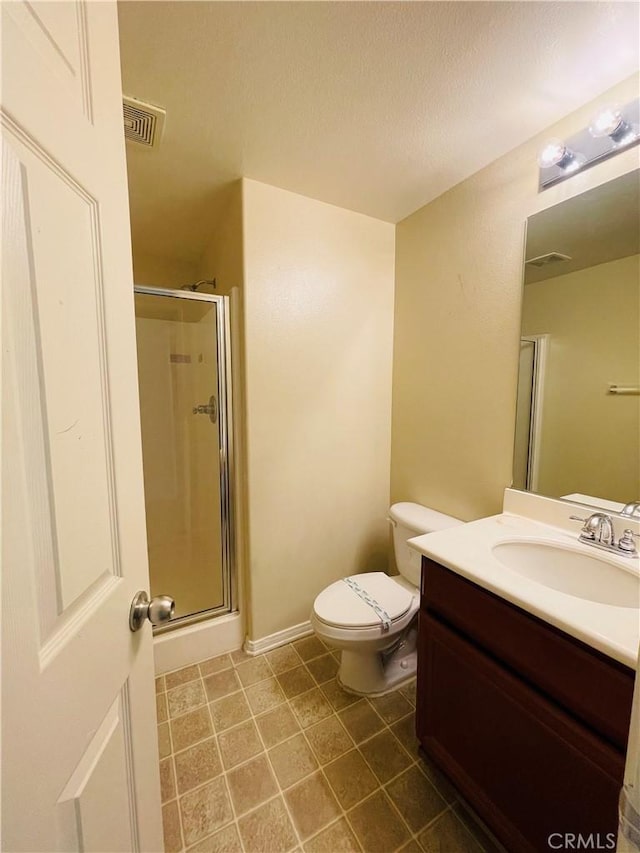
268 754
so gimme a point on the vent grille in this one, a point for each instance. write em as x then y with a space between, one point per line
550 258
143 123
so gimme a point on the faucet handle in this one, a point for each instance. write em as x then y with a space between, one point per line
590 527
626 543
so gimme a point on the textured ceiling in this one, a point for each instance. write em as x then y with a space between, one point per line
375 107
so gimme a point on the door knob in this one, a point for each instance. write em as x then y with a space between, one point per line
159 610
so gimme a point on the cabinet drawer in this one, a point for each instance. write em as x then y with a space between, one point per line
526 766
597 689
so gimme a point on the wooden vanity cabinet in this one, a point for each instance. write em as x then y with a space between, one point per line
529 724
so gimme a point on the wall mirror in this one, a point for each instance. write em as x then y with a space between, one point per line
578 405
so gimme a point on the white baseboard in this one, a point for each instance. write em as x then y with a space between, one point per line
194 643
280 638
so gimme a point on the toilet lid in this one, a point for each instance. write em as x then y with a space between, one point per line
341 605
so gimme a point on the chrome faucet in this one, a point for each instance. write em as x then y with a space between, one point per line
632 510
598 531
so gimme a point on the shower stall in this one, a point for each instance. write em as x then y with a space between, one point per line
184 370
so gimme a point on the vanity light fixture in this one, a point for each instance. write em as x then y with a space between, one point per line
611 122
556 153
613 129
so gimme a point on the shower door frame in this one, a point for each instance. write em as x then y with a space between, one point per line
227 467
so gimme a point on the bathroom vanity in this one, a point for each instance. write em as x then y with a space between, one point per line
528 722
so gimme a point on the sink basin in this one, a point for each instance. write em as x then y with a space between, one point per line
572 571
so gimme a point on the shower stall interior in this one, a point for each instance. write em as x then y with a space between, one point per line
186 415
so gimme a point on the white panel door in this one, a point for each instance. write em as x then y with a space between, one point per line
79 750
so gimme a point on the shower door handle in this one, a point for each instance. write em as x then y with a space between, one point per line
158 611
210 408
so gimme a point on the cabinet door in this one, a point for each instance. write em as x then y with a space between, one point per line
528 768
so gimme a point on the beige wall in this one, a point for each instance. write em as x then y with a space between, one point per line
156 271
318 320
222 258
590 440
457 323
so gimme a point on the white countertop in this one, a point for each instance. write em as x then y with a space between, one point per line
467 550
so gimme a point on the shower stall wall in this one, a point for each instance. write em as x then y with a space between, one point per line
185 407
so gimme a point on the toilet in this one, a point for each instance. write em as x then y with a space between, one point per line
372 617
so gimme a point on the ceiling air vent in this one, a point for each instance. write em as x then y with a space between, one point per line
143 123
550 258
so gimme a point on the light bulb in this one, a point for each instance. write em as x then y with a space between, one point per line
609 121
555 153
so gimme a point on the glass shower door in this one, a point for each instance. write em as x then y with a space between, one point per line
181 340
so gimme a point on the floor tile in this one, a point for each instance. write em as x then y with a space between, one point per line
221 684
171 828
205 810
295 681
447 833
164 740
208 667
190 728
385 755
338 697
323 668
161 707
267 829
411 847
229 711
350 778
239 744
473 824
444 787
360 720
415 798
254 670
336 838
251 784
167 780
312 805
292 760
409 692
328 739
377 826
310 647
239 656
284 658
181 676
197 764
310 707
185 698
225 840
405 730
289 702
391 707
264 696
277 725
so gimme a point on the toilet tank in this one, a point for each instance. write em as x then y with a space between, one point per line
410 520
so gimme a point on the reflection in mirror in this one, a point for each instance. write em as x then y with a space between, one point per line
575 432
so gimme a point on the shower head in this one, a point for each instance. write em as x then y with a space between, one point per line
198 284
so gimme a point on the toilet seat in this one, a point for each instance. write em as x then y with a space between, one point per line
340 605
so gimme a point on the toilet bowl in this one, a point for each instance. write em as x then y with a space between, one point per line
372 617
